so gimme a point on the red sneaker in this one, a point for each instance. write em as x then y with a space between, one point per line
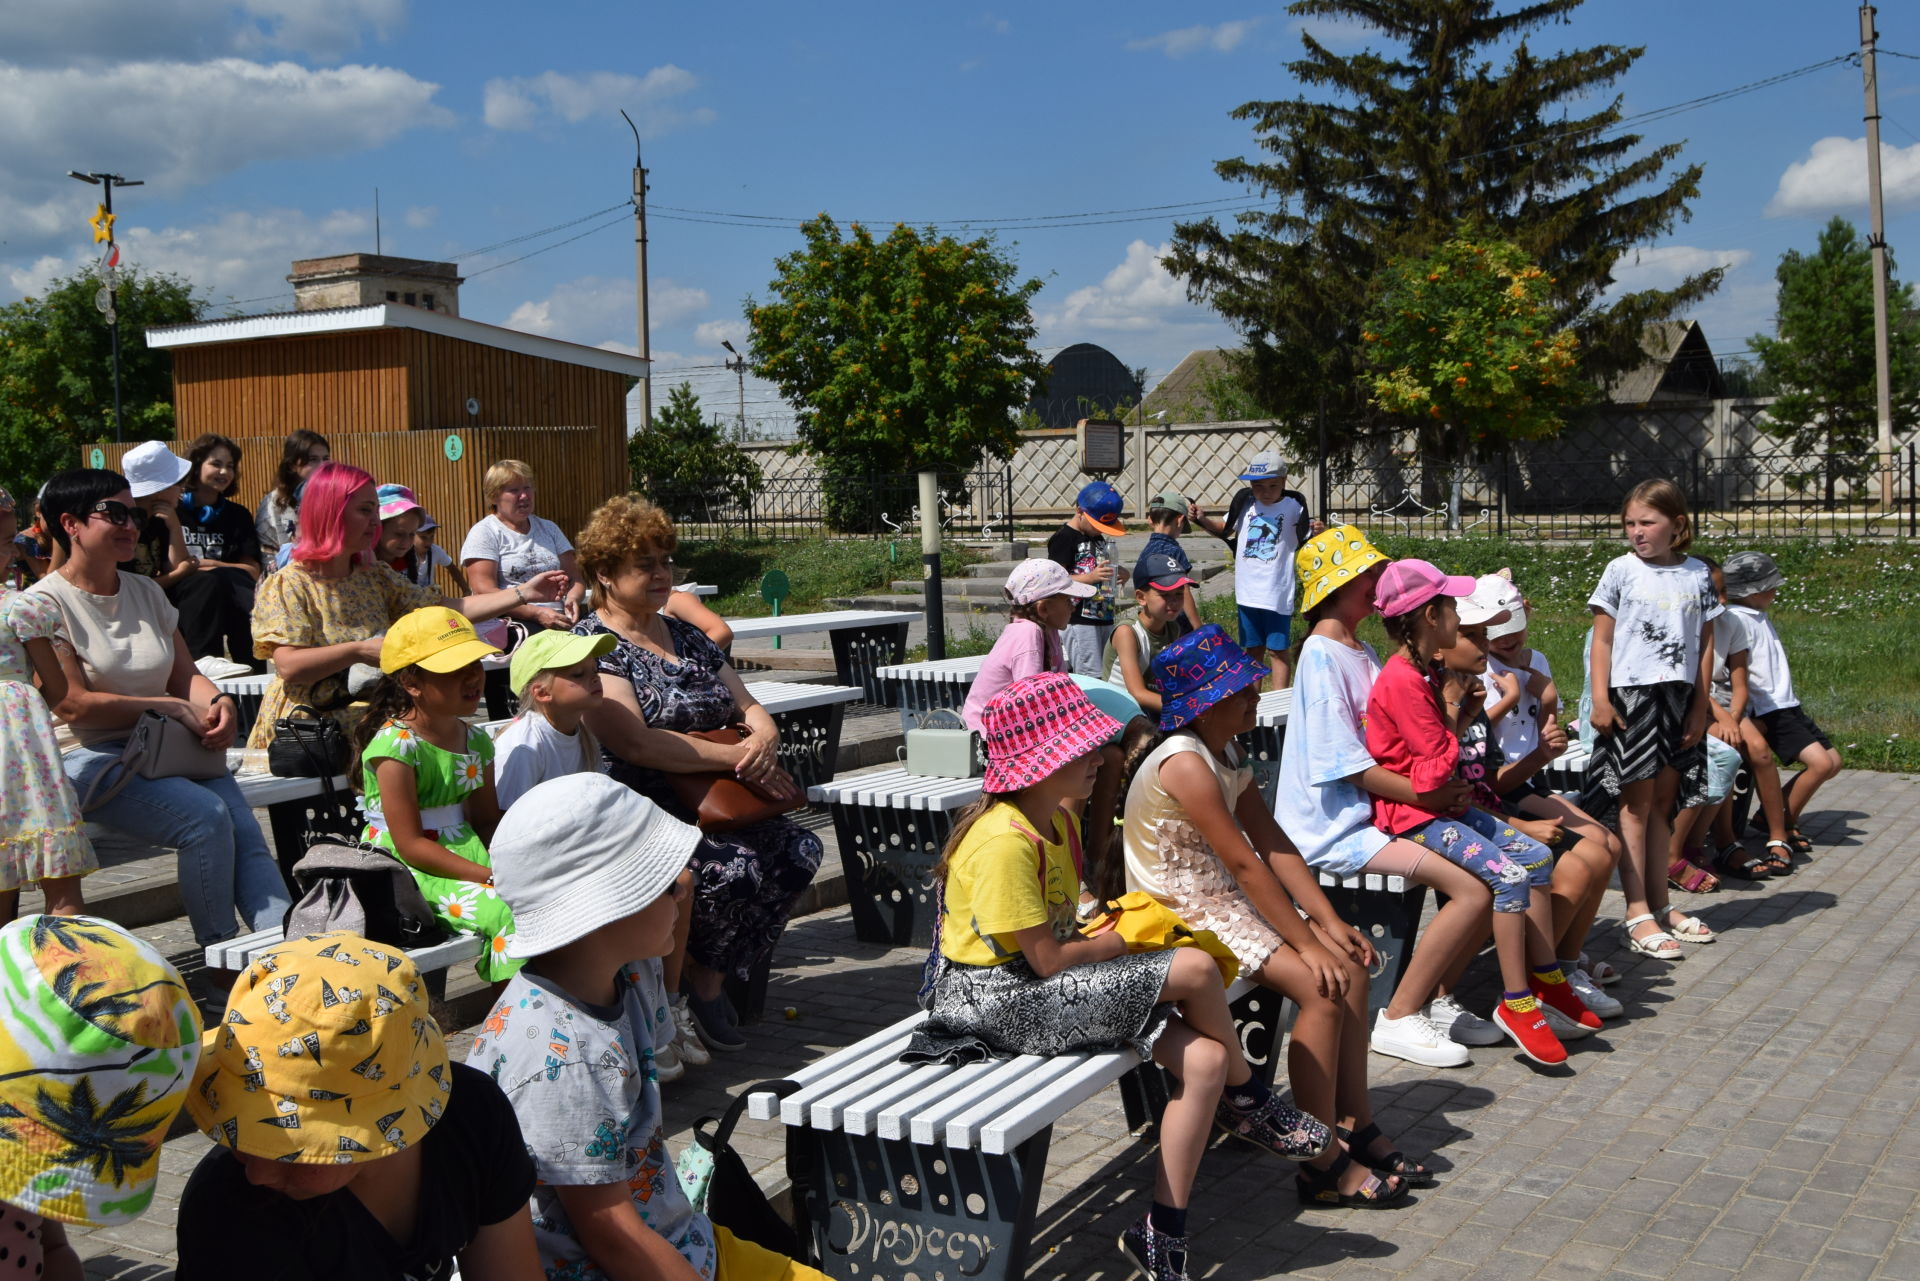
1530 1032
1565 1001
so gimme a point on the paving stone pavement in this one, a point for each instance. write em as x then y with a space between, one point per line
1751 1116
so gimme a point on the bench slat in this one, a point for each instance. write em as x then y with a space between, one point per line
238 953
927 1126
763 1106
1035 1113
844 1068
931 1084
829 1113
963 1131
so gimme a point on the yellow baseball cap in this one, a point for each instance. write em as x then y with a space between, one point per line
326 1056
436 638
543 651
1332 559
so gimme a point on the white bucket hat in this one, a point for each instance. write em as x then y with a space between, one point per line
577 852
1038 578
150 467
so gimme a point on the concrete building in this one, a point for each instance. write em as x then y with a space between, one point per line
363 280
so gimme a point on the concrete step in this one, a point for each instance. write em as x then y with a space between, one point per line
969 588
961 607
991 569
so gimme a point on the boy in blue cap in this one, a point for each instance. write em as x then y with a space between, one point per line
1265 526
1083 547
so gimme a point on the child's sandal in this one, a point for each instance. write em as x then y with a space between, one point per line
1780 864
1360 1142
1682 875
1801 845
1321 1188
1734 860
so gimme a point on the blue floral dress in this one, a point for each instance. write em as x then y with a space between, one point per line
747 881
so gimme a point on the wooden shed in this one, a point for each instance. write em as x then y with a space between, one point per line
419 397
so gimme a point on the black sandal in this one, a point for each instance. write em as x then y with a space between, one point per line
1321 1188
1741 864
1801 845
1360 1143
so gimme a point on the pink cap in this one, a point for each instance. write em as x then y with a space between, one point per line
1406 585
1038 578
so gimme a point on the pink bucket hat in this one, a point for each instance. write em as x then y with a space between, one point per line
1408 584
1035 726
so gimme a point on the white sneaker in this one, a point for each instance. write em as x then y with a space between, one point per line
666 1064
1461 1025
686 1041
1561 1026
1417 1039
1592 997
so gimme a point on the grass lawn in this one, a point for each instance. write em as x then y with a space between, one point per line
818 570
1849 615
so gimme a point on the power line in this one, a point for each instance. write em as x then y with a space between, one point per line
484 250
613 222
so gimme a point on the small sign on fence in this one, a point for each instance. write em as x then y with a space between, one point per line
1103 445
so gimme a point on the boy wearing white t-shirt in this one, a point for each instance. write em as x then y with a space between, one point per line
1265 525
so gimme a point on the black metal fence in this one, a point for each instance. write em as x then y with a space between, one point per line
1557 496
973 504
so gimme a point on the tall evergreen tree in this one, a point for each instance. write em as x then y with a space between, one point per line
1397 150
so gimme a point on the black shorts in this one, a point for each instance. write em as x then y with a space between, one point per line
1790 731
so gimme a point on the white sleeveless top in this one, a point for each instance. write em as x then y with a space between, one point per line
1167 857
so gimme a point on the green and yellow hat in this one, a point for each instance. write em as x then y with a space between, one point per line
326 1056
98 1040
1330 560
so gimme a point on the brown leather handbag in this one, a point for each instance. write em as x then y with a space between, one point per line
721 801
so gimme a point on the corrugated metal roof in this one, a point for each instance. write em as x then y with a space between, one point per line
340 320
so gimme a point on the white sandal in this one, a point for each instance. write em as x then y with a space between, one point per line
1660 945
1691 929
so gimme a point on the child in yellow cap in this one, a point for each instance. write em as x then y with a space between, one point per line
427 775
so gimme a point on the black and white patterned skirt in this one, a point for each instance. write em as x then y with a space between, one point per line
985 1012
1652 720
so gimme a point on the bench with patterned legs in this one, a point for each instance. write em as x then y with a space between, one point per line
932 1171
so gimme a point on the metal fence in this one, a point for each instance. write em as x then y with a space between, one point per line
1557 496
812 504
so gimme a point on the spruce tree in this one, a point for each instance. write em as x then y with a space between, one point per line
1400 146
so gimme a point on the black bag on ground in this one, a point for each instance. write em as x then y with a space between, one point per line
362 889
731 1197
310 746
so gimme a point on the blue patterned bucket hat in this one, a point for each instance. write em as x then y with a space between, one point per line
1199 670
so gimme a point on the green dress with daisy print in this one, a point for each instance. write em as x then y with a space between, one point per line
442 781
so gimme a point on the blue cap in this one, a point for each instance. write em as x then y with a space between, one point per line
1157 569
1265 465
1101 503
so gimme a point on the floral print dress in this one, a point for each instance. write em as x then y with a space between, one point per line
40 830
442 782
747 881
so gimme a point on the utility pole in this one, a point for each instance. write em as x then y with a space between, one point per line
640 272
108 306
739 367
1877 242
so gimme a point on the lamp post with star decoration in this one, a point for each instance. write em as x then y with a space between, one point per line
102 221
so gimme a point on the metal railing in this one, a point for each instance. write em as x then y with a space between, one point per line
973 504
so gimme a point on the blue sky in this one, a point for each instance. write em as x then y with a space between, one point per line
263 126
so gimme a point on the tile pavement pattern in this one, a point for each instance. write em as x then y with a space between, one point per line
1759 1127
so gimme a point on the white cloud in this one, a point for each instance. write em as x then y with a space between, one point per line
600 310
528 101
1221 38
1833 179
997 25
708 335
241 256
1137 295
420 217
1338 35
92 31
1664 266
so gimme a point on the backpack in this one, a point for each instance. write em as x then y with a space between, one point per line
364 890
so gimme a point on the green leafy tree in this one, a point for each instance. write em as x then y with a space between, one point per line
1822 357
1398 145
1461 346
686 465
899 355
56 370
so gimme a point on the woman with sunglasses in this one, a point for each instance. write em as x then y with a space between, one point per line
122 654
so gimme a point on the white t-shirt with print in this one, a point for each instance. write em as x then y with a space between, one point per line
1657 612
1769 677
530 751
520 556
1518 732
1329 818
1264 576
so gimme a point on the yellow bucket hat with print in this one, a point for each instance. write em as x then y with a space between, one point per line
326 1056
1330 560
98 1040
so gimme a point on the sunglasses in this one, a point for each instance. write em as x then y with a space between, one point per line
117 513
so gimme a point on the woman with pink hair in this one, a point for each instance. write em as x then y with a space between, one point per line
322 618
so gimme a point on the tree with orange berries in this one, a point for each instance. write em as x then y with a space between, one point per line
1462 345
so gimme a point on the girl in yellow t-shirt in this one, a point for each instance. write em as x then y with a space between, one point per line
1015 978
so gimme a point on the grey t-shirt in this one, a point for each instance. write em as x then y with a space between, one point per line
520 556
1657 613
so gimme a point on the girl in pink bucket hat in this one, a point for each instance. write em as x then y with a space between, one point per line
1014 976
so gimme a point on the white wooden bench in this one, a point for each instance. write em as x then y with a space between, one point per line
890 826
247 691
863 640
1262 742
921 687
433 962
903 1170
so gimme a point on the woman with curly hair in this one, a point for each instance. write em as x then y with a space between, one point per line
670 680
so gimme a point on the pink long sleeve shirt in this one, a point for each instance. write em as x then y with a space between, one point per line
1023 649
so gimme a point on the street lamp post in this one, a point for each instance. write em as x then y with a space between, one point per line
107 182
739 367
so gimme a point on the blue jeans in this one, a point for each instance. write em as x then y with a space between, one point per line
1512 865
224 861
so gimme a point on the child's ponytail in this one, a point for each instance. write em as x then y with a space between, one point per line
387 701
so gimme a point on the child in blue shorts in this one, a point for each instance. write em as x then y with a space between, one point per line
1265 525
